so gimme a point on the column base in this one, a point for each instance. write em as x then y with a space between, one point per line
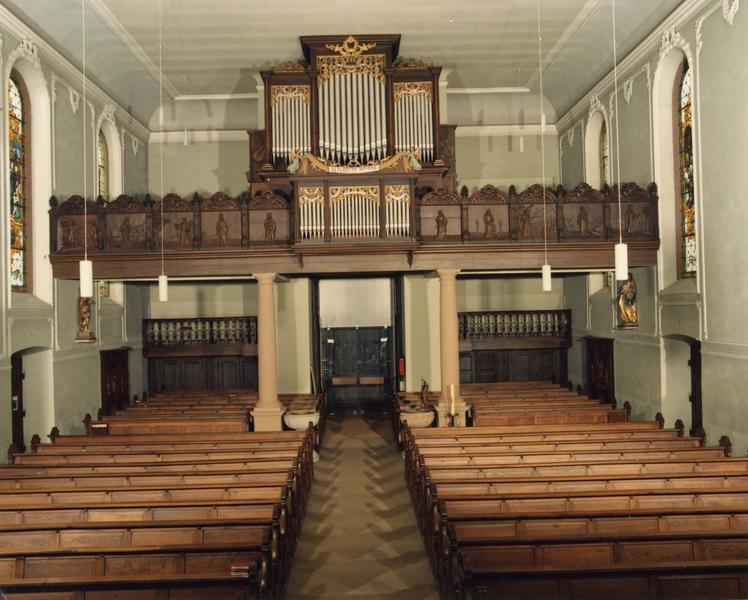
460 410
268 419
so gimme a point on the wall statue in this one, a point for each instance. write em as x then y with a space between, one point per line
84 321
627 307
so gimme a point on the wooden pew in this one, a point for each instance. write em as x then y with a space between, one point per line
187 572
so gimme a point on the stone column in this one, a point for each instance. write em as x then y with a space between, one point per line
449 347
268 412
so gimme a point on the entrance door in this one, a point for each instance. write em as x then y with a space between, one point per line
16 401
115 380
356 366
695 396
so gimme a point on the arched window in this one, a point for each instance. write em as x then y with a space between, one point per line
18 178
102 164
604 156
684 110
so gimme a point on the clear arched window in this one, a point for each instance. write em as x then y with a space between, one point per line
684 100
102 164
604 156
18 178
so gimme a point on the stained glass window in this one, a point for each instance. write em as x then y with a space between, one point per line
18 179
685 152
102 160
604 156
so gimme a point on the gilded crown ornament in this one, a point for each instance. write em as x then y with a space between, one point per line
350 48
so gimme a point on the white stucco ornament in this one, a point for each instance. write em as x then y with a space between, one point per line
730 9
628 89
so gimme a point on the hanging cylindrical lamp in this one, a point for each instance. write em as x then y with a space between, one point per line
621 249
85 267
546 271
163 280
546 268
163 288
86 278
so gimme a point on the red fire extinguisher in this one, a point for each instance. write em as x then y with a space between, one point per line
401 367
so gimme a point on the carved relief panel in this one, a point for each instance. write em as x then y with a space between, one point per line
582 212
70 231
125 225
529 216
179 228
269 220
220 222
638 212
440 217
487 215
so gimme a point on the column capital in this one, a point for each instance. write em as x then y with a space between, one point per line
265 277
447 272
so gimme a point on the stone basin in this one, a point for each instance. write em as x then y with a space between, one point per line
300 421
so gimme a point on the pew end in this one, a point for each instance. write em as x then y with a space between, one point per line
627 408
12 451
700 433
87 423
36 441
726 443
54 434
680 427
660 420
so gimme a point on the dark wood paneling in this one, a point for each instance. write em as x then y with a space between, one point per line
115 380
208 372
600 369
488 366
16 401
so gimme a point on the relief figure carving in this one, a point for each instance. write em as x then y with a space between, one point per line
222 230
269 228
441 226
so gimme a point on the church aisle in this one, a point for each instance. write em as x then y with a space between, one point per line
360 537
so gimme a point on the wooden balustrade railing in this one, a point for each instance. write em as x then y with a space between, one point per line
525 323
199 331
332 206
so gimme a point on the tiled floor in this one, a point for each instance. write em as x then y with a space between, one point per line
360 537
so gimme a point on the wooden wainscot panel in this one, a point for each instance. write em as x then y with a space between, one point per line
528 214
486 214
221 222
269 220
440 218
638 212
582 214
66 224
181 229
126 225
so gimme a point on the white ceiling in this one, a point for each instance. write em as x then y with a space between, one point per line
217 46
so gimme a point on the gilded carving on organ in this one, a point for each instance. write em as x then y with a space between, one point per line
184 228
489 224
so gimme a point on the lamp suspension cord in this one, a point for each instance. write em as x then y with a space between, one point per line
618 153
161 124
85 170
542 136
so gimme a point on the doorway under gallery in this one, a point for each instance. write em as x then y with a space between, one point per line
357 337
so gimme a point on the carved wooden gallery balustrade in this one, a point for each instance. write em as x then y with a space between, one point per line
332 206
526 323
200 331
